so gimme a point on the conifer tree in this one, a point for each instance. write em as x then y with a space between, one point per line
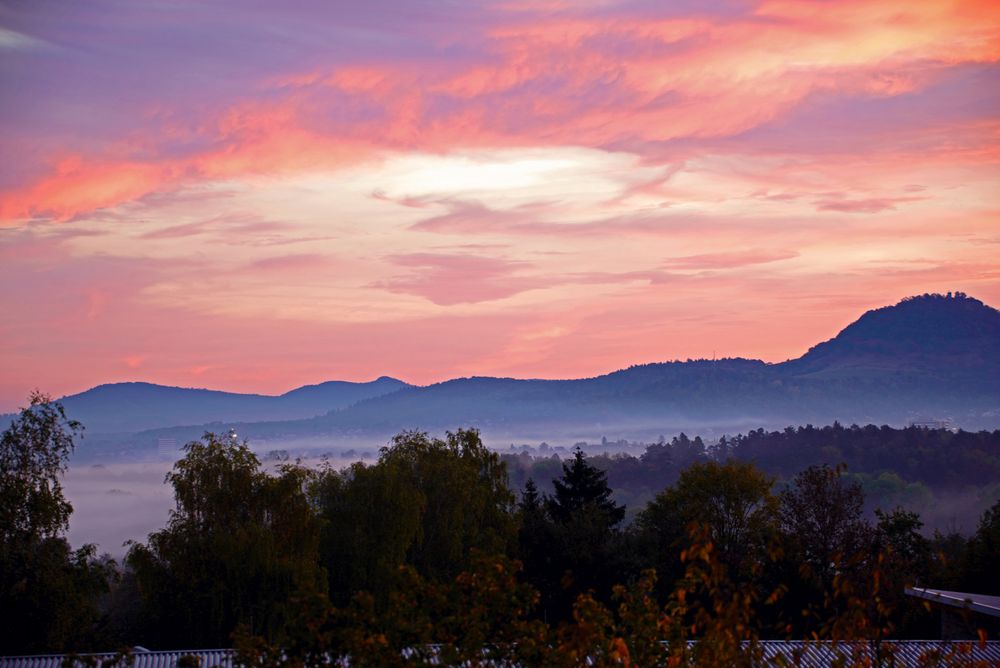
583 487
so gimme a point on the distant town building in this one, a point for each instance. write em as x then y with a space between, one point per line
931 424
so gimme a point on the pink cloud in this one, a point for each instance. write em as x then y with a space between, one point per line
134 361
474 218
759 314
459 279
234 229
296 262
412 202
554 78
870 205
729 260
179 231
77 186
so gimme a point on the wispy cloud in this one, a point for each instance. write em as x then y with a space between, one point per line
459 279
11 39
729 260
869 205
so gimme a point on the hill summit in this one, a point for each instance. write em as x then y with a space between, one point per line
948 334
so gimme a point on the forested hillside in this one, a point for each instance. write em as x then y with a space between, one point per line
950 476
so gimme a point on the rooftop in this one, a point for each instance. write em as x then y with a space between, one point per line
987 605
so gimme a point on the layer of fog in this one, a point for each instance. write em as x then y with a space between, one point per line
118 499
118 502
115 503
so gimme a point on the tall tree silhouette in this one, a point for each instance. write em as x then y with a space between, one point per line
48 592
427 503
583 488
732 501
240 546
580 550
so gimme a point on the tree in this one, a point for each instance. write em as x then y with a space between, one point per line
732 501
534 535
821 515
34 452
983 554
371 516
427 503
583 488
536 538
574 548
239 547
469 505
907 561
898 532
48 592
829 546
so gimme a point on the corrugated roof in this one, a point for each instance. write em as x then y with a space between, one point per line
207 658
895 653
801 654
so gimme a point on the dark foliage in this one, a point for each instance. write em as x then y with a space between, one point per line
427 503
911 466
981 568
239 546
732 500
583 489
570 541
425 557
48 592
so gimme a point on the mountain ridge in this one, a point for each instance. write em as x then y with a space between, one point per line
134 406
931 355
832 381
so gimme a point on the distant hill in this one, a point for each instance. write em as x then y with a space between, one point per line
949 335
927 357
134 407
933 356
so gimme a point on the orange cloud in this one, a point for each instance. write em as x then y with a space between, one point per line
555 79
256 147
78 186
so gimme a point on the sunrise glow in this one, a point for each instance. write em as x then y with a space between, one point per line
254 197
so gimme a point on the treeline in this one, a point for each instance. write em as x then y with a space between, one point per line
915 467
427 555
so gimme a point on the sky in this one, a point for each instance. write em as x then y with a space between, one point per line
253 196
